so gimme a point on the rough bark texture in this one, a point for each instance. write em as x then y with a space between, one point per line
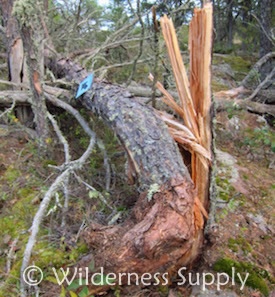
15 58
29 17
160 234
154 154
266 45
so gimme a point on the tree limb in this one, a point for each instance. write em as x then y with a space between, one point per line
256 68
74 165
8 110
255 107
263 29
269 78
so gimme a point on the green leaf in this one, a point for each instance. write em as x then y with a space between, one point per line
76 284
63 292
51 279
84 292
73 294
267 141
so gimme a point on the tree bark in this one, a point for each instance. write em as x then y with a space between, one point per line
266 45
16 59
160 234
165 229
229 24
29 17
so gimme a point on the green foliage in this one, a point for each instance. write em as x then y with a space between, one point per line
238 63
217 86
224 188
12 174
256 276
260 137
239 243
182 34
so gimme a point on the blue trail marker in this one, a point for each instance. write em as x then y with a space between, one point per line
85 85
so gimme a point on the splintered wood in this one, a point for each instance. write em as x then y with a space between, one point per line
194 135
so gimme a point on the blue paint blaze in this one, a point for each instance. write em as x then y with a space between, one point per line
85 85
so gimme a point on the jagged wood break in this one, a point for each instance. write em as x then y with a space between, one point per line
163 233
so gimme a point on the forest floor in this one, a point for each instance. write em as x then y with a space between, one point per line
242 235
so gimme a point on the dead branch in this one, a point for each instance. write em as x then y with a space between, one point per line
87 129
8 110
61 137
256 68
255 107
100 196
72 111
268 79
63 140
120 65
74 165
138 13
268 36
10 83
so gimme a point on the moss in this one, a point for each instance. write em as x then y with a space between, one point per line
238 63
216 86
18 218
239 243
256 276
26 191
224 188
12 174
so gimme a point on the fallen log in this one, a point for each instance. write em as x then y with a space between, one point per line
162 233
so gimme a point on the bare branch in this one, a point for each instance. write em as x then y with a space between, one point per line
72 111
100 196
268 36
121 65
61 138
74 165
88 130
3 66
138 13
9 83
8 110
2 30
256 67
268 79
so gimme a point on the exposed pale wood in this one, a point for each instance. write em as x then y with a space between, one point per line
180 74
195 99
200 46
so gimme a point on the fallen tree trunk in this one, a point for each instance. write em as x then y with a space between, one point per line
160 235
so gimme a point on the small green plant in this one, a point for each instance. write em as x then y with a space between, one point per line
256 278
260 137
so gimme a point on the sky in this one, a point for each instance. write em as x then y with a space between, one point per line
102 2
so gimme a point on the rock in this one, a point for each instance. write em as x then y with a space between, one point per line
260 222
228 161
213 293
223 70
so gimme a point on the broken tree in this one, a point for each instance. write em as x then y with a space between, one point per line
165 230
